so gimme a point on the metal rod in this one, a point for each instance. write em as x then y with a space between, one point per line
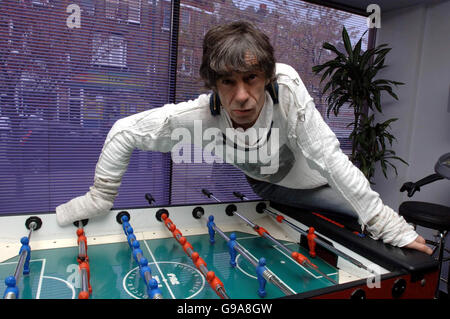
245 219
277 243
82 250
265 234
139 257
250 258
189 251
82 253
322 243
317 240
203 269
222 292
147 275
158 296
33 226
84 280
269 276
323 274
10 295
209 195
20 264
23 255
289 251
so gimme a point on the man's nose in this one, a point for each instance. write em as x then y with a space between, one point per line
241 95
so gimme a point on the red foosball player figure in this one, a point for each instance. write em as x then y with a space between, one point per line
311 242
82 238
302 260
176 234
83 295
215 283
185 244
198 261
85 265
166 220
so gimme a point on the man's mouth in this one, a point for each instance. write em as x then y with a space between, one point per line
242 112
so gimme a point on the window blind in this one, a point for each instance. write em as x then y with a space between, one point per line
62 87
68 75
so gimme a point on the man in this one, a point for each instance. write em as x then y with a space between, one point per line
251 93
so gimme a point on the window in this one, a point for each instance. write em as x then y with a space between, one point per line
134 11
185 17
112 9
62 90
75 105
109 50
186 61
40 2
166 15
87 7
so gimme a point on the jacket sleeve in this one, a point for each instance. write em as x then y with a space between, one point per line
322 150
149 130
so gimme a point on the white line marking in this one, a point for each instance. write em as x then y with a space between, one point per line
238 267
295 262
333 273
66 282
303 267
159 269
251 276
166 262
247 237
42 276
38 293
124 283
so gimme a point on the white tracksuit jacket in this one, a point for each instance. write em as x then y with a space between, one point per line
307 151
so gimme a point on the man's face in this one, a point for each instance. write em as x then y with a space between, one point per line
243 96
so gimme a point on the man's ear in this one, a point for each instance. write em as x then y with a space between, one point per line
214 103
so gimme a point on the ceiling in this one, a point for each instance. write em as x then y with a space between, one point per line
385 5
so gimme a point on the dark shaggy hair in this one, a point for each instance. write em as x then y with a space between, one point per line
228 47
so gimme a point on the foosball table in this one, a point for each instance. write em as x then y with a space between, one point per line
240 250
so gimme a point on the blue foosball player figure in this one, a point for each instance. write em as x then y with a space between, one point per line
137 250
153 290
231 244
211 230
144 268
259 272
125 224
25 247
130 236
11 291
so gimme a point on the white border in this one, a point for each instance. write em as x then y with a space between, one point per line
165 262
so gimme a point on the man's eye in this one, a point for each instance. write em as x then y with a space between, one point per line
226 82
252 77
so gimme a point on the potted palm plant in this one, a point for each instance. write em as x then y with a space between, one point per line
350 78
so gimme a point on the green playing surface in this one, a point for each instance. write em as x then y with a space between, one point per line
115 274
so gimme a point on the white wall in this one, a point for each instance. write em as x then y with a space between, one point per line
420 57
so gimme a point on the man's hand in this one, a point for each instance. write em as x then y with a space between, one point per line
419 244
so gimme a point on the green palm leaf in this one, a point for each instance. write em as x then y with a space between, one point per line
351 79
